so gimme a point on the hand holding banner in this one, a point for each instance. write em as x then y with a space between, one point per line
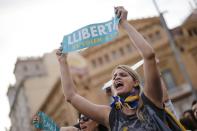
44 122
91 35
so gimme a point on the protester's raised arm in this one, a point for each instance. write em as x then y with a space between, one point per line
96 112
152 88
66 79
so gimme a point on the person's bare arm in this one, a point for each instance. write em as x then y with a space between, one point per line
152 87
99 113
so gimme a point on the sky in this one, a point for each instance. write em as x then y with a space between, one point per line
34 27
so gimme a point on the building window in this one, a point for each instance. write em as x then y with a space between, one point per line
24 68
192 32
150 36
194 54
121 51
114 54
37 67
158 35
169 79
195 31
195 57
100 60
106 56
128 47
86 87
180 32
94 63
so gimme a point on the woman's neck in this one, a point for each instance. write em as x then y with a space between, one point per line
124 96
125 109
128 111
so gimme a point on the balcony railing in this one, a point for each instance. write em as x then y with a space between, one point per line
179 92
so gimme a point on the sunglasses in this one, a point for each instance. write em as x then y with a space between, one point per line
84 118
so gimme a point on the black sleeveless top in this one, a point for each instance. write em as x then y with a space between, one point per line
154 119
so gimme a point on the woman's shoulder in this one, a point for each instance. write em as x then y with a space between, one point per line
151 108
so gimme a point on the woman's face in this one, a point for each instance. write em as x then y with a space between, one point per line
86 124
122 82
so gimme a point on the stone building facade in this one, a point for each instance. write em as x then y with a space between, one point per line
34 79
19 111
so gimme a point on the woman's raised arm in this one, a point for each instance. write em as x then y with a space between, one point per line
152 87
99 113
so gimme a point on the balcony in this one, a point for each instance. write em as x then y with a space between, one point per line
180 92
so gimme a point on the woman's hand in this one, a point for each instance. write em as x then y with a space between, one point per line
36 119
121 13
62 57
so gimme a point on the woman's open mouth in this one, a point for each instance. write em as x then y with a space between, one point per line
118 84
